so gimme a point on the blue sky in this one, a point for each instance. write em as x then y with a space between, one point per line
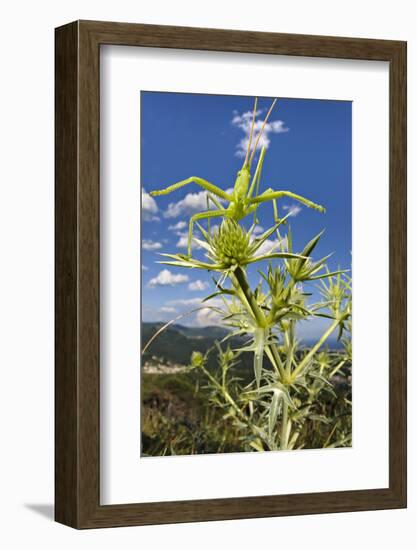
308 152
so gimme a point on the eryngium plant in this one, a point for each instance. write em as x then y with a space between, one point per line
294 400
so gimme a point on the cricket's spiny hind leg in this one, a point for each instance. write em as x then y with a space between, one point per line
199 181
271 195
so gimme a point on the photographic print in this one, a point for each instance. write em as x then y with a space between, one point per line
246 283
203 267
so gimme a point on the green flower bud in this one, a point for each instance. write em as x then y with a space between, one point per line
230 245
197 359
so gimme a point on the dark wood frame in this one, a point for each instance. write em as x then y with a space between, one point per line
77 373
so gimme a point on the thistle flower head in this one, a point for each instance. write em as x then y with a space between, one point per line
230 245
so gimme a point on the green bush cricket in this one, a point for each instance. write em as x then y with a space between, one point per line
242 200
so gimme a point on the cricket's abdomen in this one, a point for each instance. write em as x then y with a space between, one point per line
236 211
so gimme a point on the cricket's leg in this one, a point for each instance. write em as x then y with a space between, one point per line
199 181
216 204
256 181
255 217
214 201
271 195
257 176
252 210
202 216
274 205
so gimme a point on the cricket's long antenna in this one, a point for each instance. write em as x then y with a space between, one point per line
262 129
251 132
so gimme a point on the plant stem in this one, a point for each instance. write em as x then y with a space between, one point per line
242 281
284 427
253 306
313 350
231 402
337 368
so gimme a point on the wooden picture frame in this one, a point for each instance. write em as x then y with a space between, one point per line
77 405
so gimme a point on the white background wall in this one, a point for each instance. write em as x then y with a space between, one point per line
26 271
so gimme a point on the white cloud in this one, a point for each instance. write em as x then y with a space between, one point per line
292 209
257 230
186 302
268 246
198 285
167 309
183 242
271 245
207 317
284 243
166 278
145 268
148 244
178 226
243 122
149 207
192 202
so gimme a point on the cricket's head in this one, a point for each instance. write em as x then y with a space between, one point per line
242 182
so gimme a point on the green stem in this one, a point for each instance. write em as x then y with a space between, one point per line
284 427
231 401
313 350
250 298
337 368
330 436
253 306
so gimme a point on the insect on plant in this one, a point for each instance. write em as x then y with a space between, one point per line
245 198
295 397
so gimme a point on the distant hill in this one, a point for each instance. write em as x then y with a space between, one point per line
202 332
177 342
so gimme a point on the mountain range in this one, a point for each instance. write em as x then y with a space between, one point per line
175 344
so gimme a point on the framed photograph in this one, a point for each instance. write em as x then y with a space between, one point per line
230 274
